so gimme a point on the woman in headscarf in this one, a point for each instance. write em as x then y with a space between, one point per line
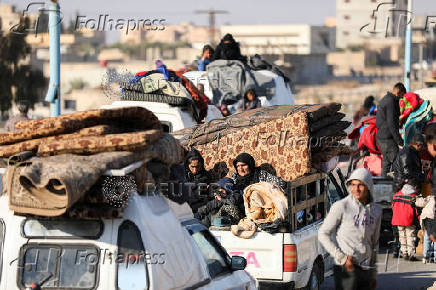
228 49
247 173
196 173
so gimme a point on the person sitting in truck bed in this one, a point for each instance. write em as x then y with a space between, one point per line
196 173
247 173
227 203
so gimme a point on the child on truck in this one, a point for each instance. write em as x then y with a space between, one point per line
227 203
405 216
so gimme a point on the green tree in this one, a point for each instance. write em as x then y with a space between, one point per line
17 79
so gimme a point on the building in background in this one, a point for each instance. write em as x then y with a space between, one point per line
301 39
184 32
360 20
300 50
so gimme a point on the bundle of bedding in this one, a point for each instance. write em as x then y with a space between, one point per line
57 164
291 139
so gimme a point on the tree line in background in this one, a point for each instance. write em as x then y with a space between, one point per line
18 81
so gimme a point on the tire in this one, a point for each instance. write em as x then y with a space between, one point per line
314 282
157 98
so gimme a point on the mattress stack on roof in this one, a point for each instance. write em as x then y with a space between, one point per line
291 139
63 159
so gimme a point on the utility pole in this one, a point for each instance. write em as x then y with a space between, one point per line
212 13
408 46
54 91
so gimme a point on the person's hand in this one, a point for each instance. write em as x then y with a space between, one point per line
373 284
204 55
432 238
349 264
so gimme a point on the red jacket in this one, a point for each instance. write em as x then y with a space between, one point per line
404 211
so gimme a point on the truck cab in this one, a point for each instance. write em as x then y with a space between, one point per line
156 244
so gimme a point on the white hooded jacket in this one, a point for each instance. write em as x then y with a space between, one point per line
352 228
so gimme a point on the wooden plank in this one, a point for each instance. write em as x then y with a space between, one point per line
306 204
307 179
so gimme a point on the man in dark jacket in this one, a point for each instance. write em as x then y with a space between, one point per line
407 165
387 122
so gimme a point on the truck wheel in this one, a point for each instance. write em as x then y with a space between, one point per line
314 279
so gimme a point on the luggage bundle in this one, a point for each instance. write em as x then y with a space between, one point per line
165 86
293 140
85 164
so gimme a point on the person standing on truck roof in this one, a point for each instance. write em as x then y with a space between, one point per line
23 108
350 234
247 173
407 165
387 123
405 217
206 57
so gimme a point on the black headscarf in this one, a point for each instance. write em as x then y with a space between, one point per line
201 177
229 50
241 182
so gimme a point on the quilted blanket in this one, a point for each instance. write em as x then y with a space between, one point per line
128 117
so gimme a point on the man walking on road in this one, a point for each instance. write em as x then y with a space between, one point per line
350 234
387 122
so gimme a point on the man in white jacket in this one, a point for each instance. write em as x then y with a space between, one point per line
350 234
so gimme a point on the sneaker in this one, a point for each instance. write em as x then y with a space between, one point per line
413 259
425 261
395 254
405 256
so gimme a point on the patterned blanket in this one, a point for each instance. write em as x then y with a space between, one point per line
129 117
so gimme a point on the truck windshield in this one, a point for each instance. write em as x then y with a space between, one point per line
58 266
33 228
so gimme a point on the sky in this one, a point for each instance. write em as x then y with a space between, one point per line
239 11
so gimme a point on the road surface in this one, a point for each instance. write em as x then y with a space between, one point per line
400 274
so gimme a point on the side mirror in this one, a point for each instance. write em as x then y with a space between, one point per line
238 263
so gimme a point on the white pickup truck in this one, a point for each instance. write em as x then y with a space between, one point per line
291 258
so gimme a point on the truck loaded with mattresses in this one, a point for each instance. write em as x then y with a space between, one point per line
73 216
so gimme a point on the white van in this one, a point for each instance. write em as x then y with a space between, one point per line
293 257
156 245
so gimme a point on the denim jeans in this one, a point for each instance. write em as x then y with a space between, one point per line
428 247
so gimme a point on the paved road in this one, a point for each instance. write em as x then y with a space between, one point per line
400 274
